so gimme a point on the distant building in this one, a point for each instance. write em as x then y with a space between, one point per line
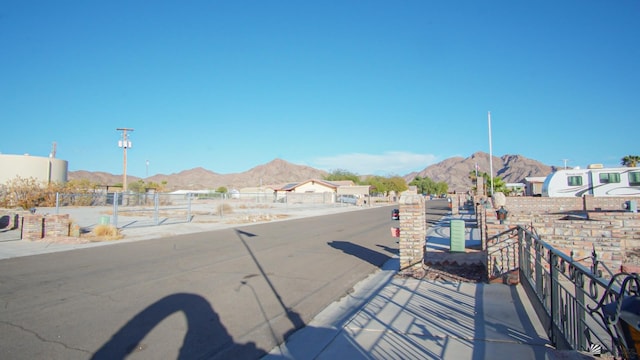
534 185
46 170
337 189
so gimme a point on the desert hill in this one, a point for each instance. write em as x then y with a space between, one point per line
454 171
276 172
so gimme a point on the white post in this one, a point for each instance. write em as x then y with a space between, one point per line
490 154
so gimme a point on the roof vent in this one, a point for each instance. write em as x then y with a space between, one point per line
595 166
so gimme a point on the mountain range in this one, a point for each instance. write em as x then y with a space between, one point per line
454 171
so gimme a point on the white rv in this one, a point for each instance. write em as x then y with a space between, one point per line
595 180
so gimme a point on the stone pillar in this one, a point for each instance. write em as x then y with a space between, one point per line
455 204
413 232
480 186
57 225
32 227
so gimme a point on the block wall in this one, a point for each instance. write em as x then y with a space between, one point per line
32 227
413 232
615 236
541 205
57 225
36 227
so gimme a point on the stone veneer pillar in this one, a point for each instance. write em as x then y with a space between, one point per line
57 225
32 227
36 227
413 232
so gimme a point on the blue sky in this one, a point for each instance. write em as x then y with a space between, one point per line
373 87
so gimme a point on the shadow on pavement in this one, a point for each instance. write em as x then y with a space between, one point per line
205 337
412 318
368 255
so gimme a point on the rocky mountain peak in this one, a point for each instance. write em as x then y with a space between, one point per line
454 171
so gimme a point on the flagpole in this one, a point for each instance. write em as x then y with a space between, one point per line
490 153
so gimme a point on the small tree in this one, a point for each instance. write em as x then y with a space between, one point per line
427 186
498 184
137 187
222 190
79 186
377 185
397 184
157 187
630 160
341 174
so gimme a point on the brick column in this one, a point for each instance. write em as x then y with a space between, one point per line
413 232
57 225
32 227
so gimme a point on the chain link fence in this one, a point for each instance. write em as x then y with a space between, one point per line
126 210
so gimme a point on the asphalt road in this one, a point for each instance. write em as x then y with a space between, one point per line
233 293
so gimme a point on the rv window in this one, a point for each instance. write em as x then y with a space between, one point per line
606 178
574 181
634 178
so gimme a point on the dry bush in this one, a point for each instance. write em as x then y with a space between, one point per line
107 232
30 192
23 192
225 209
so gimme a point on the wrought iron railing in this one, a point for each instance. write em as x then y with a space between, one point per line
579 301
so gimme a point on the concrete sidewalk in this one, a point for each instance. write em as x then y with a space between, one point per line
392 317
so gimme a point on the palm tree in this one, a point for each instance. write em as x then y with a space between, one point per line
630 160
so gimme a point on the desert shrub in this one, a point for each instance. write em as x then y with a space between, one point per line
29 192
82 200
109 232
23 192
82 192
225 209
48 194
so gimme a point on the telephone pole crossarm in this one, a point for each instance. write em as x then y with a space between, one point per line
124 144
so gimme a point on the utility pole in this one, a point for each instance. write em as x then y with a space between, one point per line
565 163
490 153
124 144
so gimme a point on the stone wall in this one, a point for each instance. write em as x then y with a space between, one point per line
32 227
36 227
413 233
614 235
57 225
528 204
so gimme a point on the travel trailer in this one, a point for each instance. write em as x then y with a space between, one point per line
596 180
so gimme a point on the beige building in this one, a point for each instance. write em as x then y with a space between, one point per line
342 191
44 169
534 185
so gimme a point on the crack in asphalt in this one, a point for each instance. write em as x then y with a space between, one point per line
41 338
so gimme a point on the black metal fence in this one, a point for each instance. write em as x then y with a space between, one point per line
580 302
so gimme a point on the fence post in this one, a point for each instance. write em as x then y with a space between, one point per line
581 315
155 208
115 209
523 263
539 271
555 308
189 207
